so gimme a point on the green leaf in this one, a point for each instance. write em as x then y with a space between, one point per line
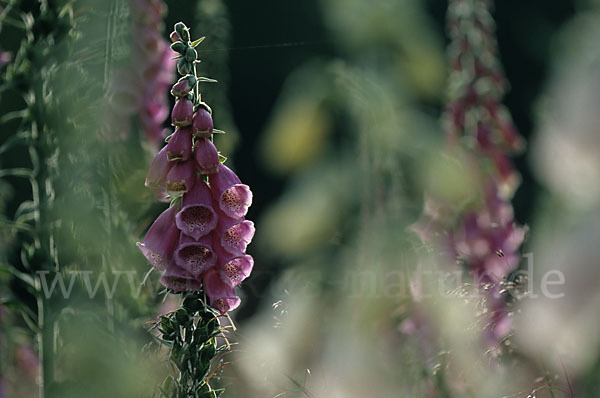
13 115
167 383
202 79
222 158
28 279
16 172
28 315
14 140
196 42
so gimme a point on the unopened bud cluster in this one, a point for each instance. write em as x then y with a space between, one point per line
200 240
476 87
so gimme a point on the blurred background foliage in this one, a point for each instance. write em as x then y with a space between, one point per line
332 112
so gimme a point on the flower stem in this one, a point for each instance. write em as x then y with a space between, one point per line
46 340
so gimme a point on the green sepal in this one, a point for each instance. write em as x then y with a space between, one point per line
196 42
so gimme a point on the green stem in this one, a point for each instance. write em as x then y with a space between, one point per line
46 339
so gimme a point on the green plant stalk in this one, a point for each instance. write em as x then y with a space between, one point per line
46 340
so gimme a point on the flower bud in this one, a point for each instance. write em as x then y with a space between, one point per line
180 145
184 67
206 156
202 125
181 178
190 54
182 31
183 86
179 47
182 113
174 37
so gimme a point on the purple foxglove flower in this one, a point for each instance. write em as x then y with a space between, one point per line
234 234
159 169
183 86
197 216
161 239
233 197
179 280
181 178
155 133
151 44
124 98
206 155
233 269
154 112
202 126
195 256
180 145
183 112
222 296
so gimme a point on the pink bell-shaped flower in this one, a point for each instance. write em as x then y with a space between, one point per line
234 234
161 239
222 296
233 197
197 217
233 269
195 256
179 280
159 169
